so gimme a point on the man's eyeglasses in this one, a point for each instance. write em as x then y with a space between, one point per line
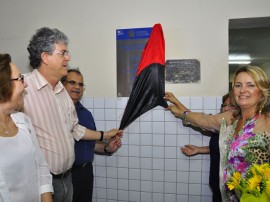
21 78
228 105
64 53
73 83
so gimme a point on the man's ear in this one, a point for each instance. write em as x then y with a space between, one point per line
44 58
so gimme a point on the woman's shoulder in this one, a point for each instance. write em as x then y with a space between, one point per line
226 118
263 125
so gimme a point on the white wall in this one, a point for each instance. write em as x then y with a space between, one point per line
193 29
149 166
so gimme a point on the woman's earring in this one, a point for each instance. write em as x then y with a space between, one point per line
261 107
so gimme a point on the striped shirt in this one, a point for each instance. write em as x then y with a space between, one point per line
55 121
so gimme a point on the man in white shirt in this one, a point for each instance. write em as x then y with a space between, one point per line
51 109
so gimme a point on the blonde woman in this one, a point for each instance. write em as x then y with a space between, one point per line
245 133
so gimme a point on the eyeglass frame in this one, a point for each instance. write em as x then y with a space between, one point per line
228 105
73 83
21 78
64 53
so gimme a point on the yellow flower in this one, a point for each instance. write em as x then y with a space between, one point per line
234 180
266 173
254 183
256 168
268 185
267 190
237 176
232 185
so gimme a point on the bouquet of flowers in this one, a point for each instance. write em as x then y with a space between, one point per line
254 185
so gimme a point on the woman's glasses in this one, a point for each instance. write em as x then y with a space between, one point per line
227 105
21 78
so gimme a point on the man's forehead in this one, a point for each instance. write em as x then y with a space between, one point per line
61 45
74 75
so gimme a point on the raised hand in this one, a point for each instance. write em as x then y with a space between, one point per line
190 150
114 144
111 133
176 108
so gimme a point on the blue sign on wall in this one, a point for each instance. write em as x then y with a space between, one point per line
135 33
129 44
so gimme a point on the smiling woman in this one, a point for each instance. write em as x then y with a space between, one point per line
18 87
251 90
12 84
19 149
245 132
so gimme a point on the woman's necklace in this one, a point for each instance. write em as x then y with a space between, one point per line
247 118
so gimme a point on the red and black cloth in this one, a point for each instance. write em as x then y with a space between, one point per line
149 86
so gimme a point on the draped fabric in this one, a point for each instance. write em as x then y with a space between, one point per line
149 86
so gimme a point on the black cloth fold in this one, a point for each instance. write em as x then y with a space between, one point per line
149 86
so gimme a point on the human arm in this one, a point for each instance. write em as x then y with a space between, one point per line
191 150
97 135
204 121
46 188
86 129
46 197
108 148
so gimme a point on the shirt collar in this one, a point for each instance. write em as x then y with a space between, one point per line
19 119
41 82
78 105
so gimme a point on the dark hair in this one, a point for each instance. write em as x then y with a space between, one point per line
262 82
225 97
44 41
6 87
76 70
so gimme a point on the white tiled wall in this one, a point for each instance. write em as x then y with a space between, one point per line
149 166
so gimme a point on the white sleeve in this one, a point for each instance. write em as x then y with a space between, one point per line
44 172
